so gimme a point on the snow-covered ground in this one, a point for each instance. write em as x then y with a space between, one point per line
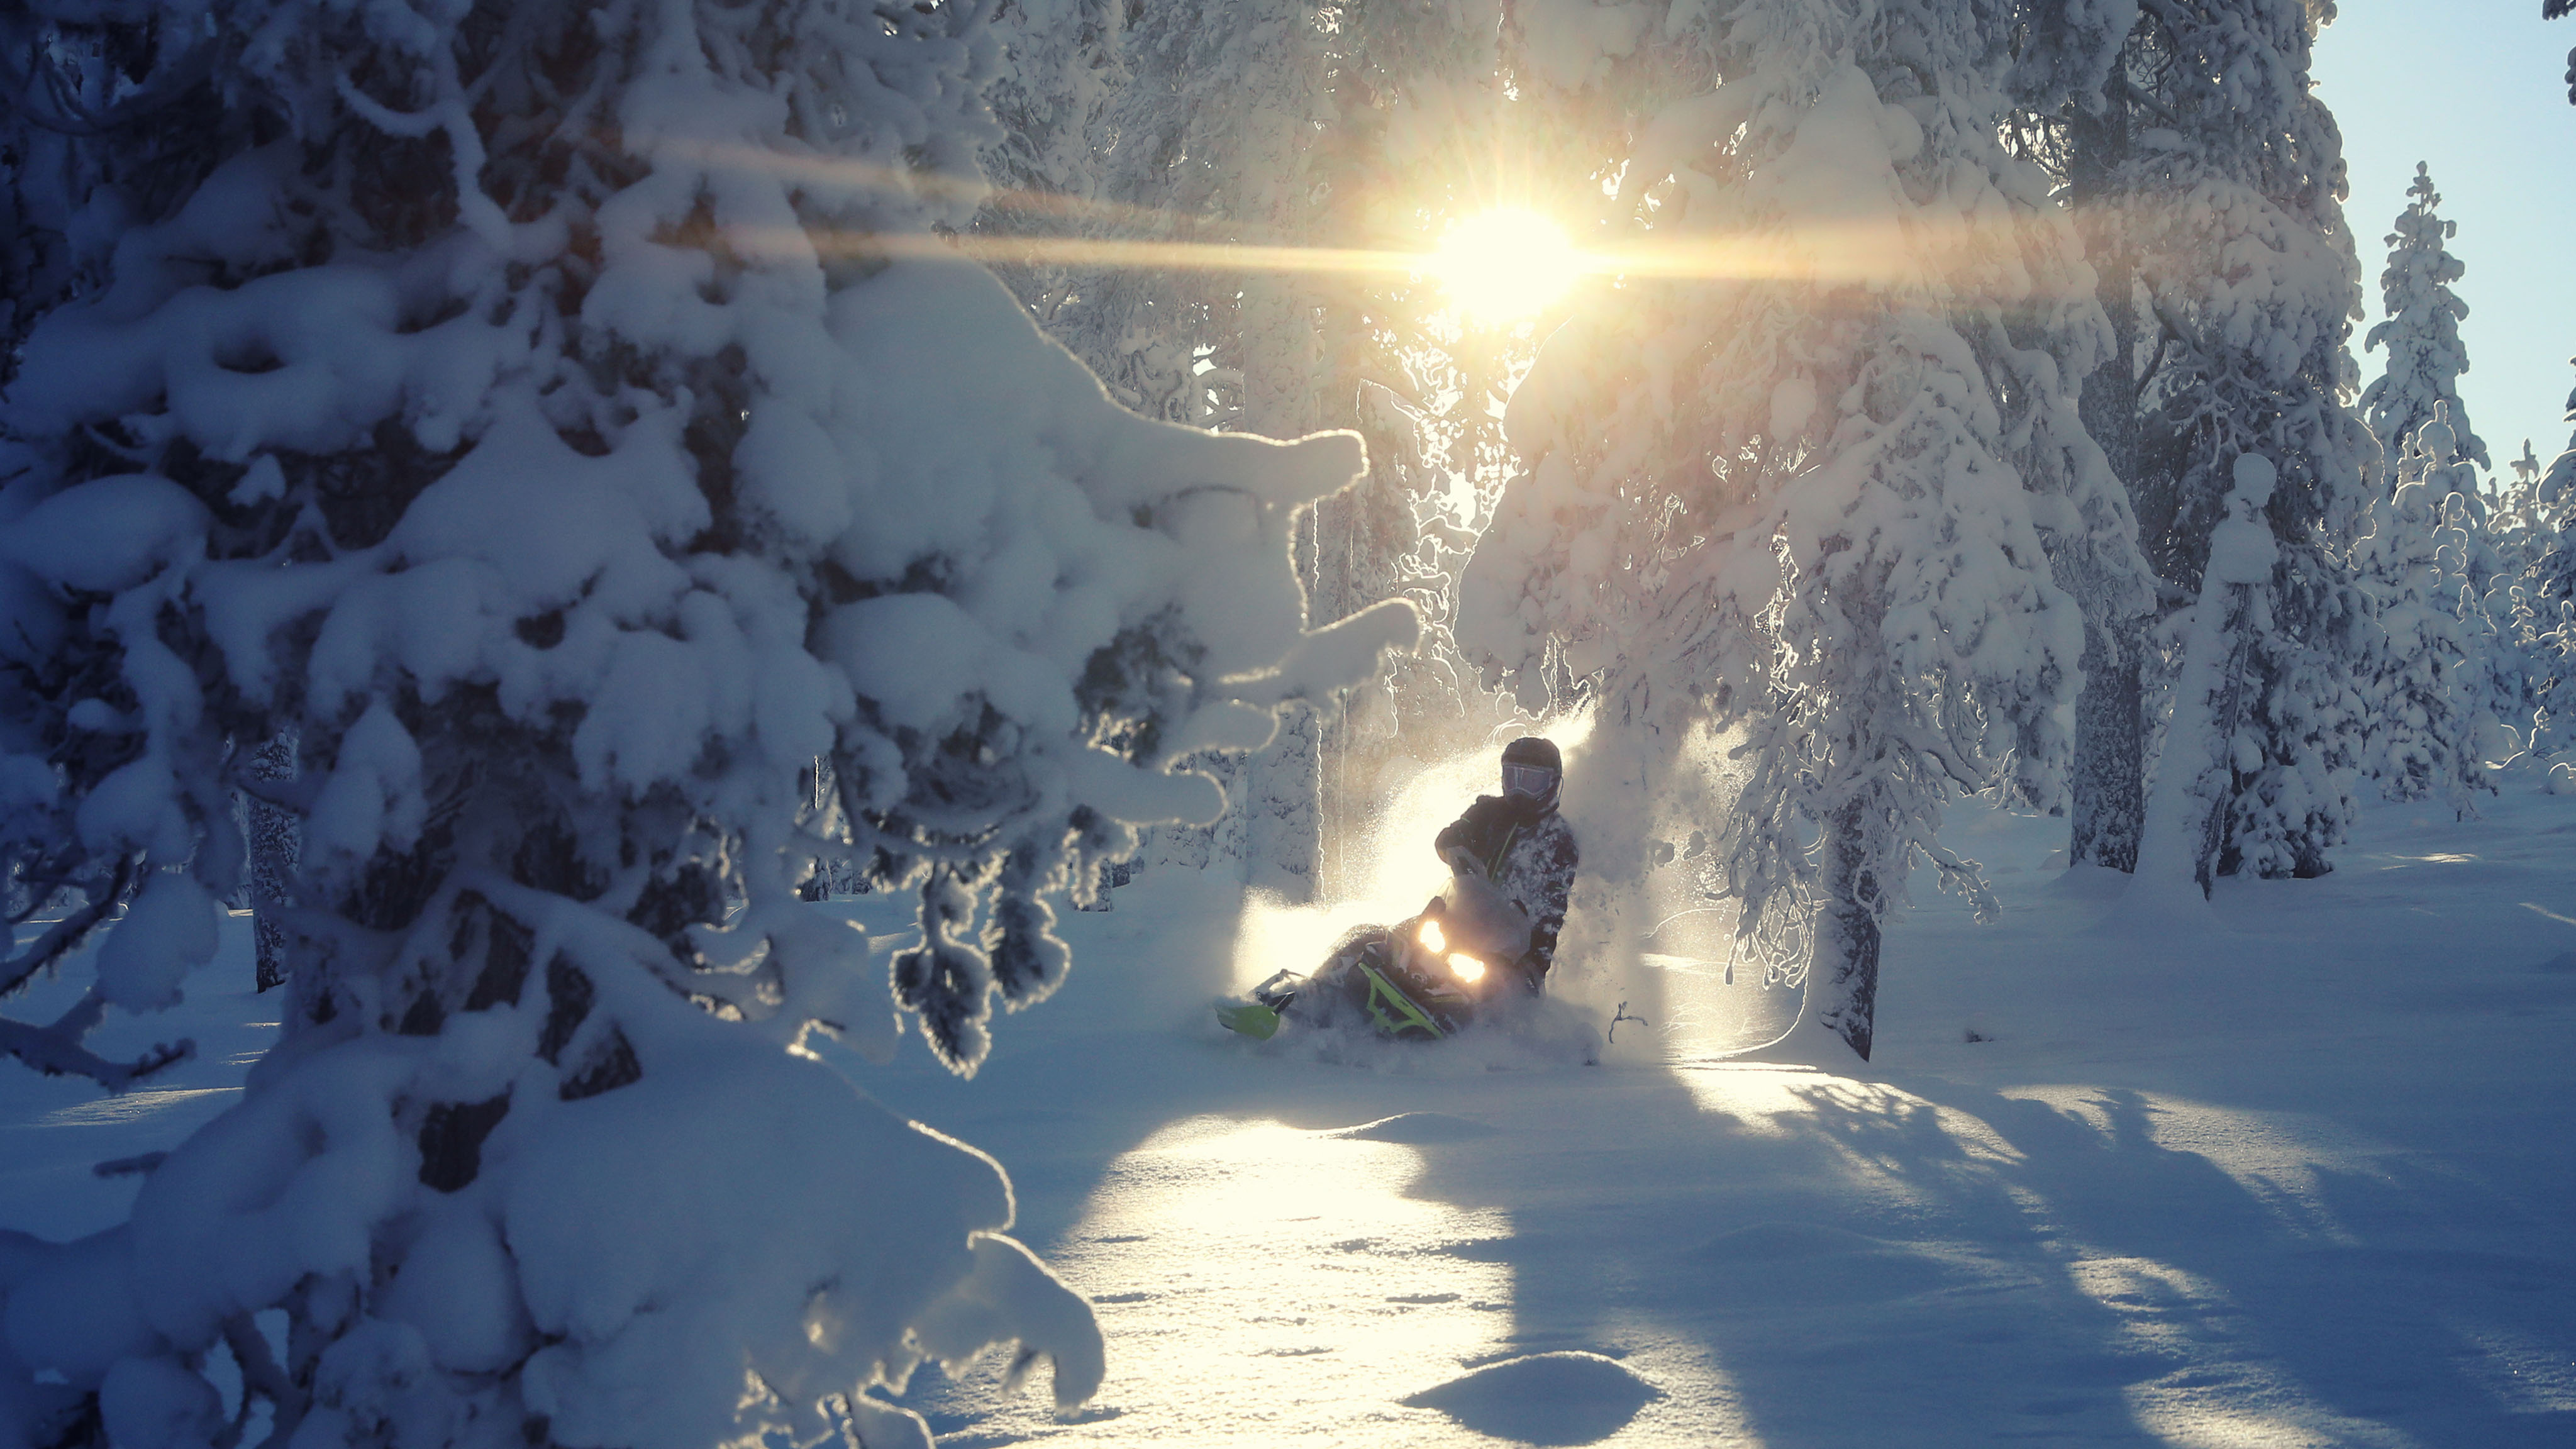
2304 1178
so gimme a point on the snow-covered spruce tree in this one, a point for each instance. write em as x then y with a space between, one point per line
2553 495
2422 333
2488 552
2517 523
1050 94
2425 691
2513 514
1807 502
2216 182
2518 510
560 419
2521 527
2547 629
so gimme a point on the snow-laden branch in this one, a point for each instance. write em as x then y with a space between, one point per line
56 1049
66 935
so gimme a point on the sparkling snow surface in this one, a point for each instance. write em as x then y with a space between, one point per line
2309 1179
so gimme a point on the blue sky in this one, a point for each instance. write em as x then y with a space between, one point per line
2477 88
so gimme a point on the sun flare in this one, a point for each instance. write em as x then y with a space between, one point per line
1503 265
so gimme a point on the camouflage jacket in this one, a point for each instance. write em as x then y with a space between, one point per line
1530 854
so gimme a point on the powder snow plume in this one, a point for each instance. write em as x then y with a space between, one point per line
1391 857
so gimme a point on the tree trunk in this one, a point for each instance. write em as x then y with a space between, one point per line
275 841
2108 796
1842 974
2107 783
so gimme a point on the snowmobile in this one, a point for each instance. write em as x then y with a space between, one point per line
1423 980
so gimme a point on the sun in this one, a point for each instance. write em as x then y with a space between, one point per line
1503 265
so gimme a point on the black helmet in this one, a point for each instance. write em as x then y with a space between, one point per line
1532 770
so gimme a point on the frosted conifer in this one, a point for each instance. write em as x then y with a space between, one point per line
2425 688
2422 333
2214 176
2549 632
2553 496
1786 506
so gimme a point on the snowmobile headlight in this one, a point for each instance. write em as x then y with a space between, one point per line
1432 938
1466 968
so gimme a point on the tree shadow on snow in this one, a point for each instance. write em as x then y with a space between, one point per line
1792 1257
1855 1259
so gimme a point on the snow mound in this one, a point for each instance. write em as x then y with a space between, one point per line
1546 1398
1416 1129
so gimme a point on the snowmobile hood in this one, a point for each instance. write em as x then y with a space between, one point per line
1479 919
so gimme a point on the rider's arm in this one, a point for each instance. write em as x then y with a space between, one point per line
1468 833
1555 888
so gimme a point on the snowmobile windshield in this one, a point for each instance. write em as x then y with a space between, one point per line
1529 782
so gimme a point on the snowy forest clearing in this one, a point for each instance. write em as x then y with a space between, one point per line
2303 1181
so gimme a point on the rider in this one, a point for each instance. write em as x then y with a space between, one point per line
1517 841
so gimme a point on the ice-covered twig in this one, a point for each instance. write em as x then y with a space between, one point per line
1621 1014
56 1050
41 890
66 934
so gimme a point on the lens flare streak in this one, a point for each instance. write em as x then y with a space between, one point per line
1509 259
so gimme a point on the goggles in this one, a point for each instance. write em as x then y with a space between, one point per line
1535 782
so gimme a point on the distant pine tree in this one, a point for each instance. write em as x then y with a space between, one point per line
2424 684
2517 518
2549 628
2422 333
